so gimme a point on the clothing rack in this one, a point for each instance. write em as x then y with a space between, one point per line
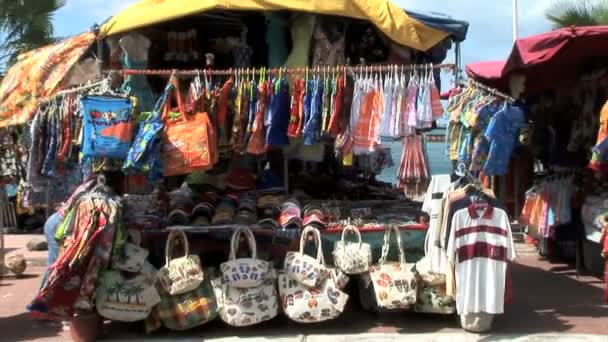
78 89
278 71
490 90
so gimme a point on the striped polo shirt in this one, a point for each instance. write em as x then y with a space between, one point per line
479 246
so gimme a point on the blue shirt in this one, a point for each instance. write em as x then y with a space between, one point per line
502 134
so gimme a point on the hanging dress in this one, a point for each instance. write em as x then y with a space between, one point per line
138 84
301 35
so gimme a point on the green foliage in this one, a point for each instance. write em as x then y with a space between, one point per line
568 13
25 25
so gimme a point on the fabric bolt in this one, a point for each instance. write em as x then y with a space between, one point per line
502 133
279 121
480 245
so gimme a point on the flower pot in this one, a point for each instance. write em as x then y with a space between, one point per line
85 327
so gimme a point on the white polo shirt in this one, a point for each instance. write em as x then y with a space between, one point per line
479 247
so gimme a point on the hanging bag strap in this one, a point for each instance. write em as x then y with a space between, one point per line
235 242
318 242
351 229
387 241
175 91
173 236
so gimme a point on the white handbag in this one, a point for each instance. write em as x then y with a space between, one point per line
352 257
132 257
313 304
306 270
244 272
395 284
125 300
241 307
182 274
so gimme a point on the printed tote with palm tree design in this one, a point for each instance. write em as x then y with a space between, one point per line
125 300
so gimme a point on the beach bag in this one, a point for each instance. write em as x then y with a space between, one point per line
133 256
144 154
319 303
432 297
186 139
108 126
244 272
390 285
303 268
185 311
182 274
125 300
352 257
241 307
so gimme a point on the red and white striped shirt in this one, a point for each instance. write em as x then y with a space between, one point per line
479 246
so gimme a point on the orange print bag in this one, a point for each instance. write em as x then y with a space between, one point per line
187 139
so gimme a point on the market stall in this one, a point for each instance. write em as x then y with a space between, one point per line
560 79
216 139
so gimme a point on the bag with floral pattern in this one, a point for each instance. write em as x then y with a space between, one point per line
244 272
394 284
182 274
323 302
352 257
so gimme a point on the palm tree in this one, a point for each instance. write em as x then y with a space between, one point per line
568 13
25 25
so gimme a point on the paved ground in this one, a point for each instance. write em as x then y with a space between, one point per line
550 303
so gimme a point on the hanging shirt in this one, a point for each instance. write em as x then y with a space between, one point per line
387 115
480 245
502 132
432 205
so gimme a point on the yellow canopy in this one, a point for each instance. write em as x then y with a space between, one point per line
387 16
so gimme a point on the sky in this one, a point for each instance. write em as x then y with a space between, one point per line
490 33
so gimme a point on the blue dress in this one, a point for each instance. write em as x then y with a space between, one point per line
138 86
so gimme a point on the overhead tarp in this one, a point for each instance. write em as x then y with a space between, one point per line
387 16
457 29
550 58
489 73
38 74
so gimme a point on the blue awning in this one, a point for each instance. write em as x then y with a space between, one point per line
457 29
